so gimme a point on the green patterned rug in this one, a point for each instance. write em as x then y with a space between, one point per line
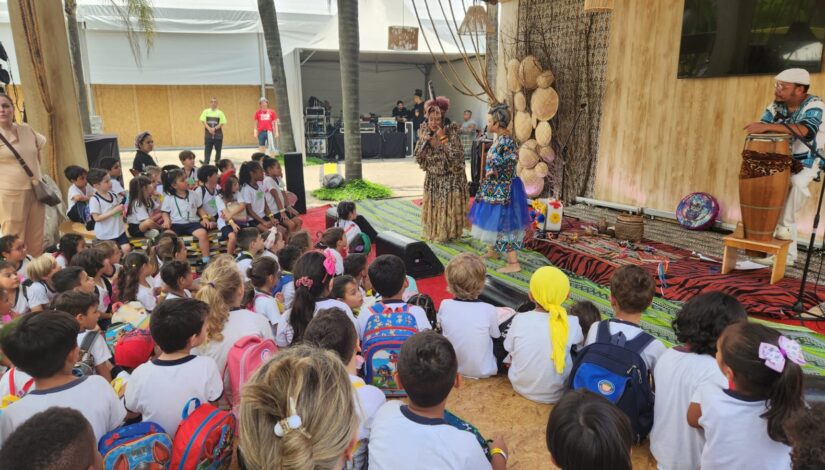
404 217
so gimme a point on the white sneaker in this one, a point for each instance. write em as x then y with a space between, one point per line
783 232
766 261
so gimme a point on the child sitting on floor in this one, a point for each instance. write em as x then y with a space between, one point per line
94 262
263 274
539 341
177 277
16 290
69 245
41 292
83 307
70 278
587 313
468 323
44 345
333 242
136 283
13 250
251 244
357 241
682 370
183 212
389 277
345 288
423 432
301 240
287 256
160 389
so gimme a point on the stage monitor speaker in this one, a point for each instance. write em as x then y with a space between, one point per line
99 146
294 172
366 227
418 257
500 294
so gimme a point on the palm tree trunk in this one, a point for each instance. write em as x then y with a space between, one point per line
272 38
70 8
492 45
348 44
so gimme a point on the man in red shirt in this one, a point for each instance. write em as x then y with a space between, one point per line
266 124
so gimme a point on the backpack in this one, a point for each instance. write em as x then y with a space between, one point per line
204 438
614 368
386 331
131 312
85 366
139 445
115 332
14 393
245 357
462 425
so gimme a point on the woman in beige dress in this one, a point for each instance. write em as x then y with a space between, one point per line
440 154
21 213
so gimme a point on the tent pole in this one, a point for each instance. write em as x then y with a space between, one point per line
261 68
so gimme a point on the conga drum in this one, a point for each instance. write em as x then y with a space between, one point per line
763 183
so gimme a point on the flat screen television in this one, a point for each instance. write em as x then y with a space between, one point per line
749 37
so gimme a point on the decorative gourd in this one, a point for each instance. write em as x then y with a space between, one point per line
544 133
544 103
527 157
520 102
529 72
545 79
523 126
547 154
512 75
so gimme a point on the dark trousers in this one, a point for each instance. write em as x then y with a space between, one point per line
209 142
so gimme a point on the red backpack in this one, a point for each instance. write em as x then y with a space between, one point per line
204 438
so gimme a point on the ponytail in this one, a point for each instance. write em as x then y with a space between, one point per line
219 287
128 281
310 282
786 399
245 172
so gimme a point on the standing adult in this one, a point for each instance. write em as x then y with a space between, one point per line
266 125
21 213
802 112
144 143
213 121
417 112
400 113
499 214
439 154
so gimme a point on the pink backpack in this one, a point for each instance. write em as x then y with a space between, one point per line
245 357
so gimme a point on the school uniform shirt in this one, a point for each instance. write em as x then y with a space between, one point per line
146 294
650 354
171 295
470 327
159 389
420 315
92 396
351 229
254 199
104 296
268 185
117 188
267 306
289 295
40 293
21 380
735 434
209 201
112 227
137 214
398 435
182 210
675 444
191 176
244 262
242 322
99 350
369 399
285 332
532 373
88 191
61 261
21 301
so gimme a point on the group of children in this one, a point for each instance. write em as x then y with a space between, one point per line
352 335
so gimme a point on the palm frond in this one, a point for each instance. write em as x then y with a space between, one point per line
138 17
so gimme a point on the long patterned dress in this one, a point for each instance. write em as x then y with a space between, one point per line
444 211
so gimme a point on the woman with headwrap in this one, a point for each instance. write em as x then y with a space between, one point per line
440 154
539 341
499 214
144 143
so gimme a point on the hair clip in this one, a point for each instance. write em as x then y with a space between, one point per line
291 423
304 282
775 355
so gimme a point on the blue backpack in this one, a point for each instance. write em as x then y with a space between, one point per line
614 368
386 331
140 445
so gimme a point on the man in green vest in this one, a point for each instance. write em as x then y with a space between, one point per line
213 121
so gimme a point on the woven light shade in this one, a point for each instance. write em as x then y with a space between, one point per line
597 6
475 21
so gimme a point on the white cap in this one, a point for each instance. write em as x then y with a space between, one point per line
798 76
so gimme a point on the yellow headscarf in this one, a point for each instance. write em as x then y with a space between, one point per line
549 288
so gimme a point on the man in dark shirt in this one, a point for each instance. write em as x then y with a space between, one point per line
417 112
399 112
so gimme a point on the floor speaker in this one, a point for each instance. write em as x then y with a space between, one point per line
417 255
294 172
366 227
500 294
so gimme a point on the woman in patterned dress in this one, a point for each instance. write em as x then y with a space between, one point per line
499 214
440 154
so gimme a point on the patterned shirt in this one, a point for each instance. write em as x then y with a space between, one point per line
809 115
502 159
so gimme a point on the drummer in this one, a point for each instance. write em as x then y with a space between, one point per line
803 113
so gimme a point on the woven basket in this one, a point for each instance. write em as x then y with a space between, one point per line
630 227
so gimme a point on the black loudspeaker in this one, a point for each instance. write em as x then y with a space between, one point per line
366 227
99 146
418 257
500 294
294 172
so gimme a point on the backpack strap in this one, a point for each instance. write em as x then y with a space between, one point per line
13 388
639 343
88 339
603 332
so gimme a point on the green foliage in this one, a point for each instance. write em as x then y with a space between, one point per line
355 190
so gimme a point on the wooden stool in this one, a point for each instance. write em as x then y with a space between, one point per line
778 248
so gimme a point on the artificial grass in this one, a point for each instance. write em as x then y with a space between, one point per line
310 161
355 190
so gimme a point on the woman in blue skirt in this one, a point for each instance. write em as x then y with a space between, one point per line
500 214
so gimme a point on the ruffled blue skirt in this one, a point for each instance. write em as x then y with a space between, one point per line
502 225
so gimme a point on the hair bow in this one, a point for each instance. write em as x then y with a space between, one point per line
304 282
774 355
329 262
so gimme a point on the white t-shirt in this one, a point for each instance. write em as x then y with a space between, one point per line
221 205
182 210
267 306
209 201
99 350
61 261
370 399
398 435
675 444
146 295
532 372
137 214
351 229
159 390
254 199
420 315
21 303
112 227
92 396
244 262
285 331
40 294
268 185
75 191
171 295
470 327
242 322
21 271
650 354
735 435
289 295
117 188
20 380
